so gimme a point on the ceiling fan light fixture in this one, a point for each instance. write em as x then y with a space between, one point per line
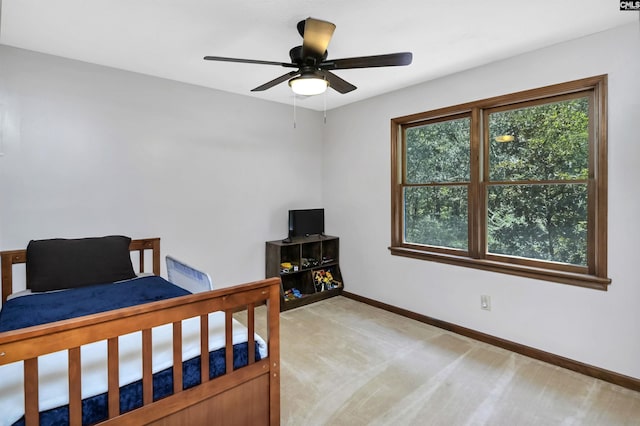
308 85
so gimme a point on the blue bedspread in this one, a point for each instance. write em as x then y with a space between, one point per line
43 308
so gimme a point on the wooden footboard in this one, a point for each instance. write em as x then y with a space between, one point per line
249 395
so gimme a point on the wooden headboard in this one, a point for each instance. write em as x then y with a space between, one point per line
12 257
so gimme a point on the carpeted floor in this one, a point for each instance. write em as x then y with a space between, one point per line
347 363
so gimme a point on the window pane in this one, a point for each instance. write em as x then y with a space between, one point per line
544 222
437 216
550 142
438 152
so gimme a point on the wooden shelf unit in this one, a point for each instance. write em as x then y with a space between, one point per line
308 256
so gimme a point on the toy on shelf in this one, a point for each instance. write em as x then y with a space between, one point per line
326 259
292 294
309 262
323 280
287 267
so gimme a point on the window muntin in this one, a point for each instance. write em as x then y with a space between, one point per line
535 205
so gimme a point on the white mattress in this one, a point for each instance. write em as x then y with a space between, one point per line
53 377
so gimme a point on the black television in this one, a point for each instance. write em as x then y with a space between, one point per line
306 222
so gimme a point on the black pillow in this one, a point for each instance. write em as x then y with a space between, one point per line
66 263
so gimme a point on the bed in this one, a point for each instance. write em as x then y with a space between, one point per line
153 348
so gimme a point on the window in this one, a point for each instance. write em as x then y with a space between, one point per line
514 184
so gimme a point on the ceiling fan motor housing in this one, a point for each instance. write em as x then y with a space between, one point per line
297 57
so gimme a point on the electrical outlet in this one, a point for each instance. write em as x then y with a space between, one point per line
485 302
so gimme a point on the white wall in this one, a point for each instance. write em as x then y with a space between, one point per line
90 151
595 327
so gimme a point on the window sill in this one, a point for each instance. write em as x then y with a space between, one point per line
580 280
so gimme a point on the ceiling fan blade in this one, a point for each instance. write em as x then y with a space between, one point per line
249 61
389 60
338 84
317 35
276 81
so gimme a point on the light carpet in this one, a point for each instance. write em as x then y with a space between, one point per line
347 363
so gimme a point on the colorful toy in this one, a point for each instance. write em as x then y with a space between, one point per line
323 280
292 294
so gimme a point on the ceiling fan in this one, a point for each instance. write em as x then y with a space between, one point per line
313 74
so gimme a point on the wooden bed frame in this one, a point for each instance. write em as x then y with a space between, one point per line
246 396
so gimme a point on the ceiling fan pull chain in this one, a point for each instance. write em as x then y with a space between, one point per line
294 111
325 107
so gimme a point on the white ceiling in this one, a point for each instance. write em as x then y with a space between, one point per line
168 38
